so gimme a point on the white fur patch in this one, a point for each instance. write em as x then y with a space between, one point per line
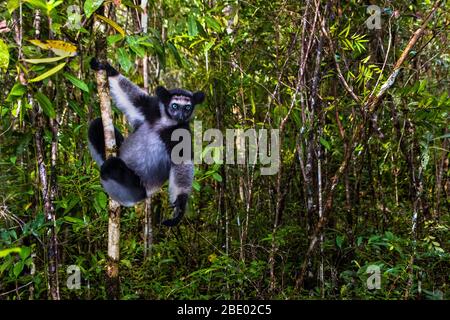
123 102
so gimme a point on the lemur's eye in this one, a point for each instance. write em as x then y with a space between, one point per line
188 107
174 106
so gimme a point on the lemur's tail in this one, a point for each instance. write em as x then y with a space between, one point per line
180 208
97 140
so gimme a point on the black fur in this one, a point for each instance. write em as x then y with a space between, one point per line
97 65
97 139
180 209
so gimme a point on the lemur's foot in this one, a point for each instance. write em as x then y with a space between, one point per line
97 65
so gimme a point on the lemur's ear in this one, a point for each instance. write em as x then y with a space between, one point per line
163 94
198 97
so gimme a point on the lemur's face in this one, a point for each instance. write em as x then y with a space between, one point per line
179 104
180 108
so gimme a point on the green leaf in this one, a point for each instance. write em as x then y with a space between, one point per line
4 55
192 26
101 199
196 185
12 5
25 252
124 59
90 6
74 220
114 38
325 143
339 241
213 24
5 252
112 24
175 53
217 177
17 91
18 267
76 82
46 60
49 72
38 4
45 104
75 107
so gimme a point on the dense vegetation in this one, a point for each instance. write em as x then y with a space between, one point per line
363 117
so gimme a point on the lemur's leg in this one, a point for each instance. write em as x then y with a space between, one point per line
97 140
128 97
180 184
121 183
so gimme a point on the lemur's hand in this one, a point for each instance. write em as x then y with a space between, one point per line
97 65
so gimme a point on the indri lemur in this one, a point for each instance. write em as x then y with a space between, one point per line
144 161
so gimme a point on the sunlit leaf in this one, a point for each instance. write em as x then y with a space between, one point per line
4 55
5 252
45 60
90 6
38 4
49 73
12 5
59 47
17 91
112 24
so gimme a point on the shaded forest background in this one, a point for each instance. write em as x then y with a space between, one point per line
363 116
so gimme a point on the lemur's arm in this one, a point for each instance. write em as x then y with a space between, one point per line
128 97
180 184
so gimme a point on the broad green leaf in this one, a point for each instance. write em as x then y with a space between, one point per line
124 59
101 199
114 38
18 267
192 26
325 143
4 55
49 72
53 5
5 252
46 60
91 5
12 5
76 82
112 24
217 177
17 91
135 46
25 252
45 104
38 4
213 24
